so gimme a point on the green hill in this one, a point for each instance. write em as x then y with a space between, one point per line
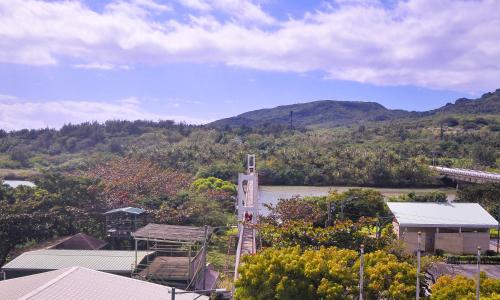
324 113
330 113
489 103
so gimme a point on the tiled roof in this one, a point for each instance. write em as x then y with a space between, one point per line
432 214
51 259
77 283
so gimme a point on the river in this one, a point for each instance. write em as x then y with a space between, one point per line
270 194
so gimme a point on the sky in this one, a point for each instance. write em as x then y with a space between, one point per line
201 60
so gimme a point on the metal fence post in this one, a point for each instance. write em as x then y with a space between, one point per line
417 293
478 283
173 293
361 269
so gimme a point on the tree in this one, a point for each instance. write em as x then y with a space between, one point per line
327 273
127 181
359 203
485 156
485 194
461 287
296 209
425 197
345 234
213 183
36 214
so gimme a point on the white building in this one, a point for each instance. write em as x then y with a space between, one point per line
453 227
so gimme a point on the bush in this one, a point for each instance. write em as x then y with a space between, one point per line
472 259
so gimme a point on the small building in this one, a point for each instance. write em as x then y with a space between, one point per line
179 257
38 261
79 241
457 228
78 283
121 222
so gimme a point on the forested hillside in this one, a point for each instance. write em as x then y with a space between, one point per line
325 113
389 153
329 113
489 103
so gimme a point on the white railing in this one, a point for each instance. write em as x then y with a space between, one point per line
468 173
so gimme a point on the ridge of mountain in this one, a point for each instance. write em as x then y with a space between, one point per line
331 113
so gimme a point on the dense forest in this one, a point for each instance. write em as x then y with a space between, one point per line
184 174
389 153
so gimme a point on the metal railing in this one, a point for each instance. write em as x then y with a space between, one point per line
468 173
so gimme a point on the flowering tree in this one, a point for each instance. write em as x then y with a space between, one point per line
128 181
461 287
327 273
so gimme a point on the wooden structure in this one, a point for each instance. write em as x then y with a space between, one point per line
248 211
179 258
121 222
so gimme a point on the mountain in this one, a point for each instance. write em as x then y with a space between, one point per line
330 113
324 113
489 103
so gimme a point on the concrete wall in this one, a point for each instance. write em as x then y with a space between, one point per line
411 241
451 242
474 239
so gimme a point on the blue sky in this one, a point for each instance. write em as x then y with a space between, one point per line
201 60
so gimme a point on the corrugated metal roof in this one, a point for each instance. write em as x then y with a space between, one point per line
79 283
103 260
427 214
129 210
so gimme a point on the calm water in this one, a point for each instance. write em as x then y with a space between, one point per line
271 194
16 183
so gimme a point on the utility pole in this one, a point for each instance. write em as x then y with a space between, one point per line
205 257
329 218
291 120
441 133
418 266
498 228
342 210
478 282
173 293
361 269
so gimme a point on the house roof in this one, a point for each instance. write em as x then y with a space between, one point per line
78 283
431 214
128 210
51 259
79 241
171 233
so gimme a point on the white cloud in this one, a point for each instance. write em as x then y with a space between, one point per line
242 10
101 66
447 44
30 114
5 97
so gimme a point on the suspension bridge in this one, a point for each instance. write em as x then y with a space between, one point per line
248 211
465 175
